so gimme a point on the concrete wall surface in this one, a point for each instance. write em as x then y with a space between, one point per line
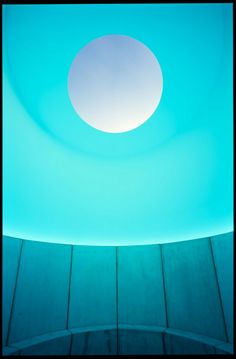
192 296
93 287
168 298
222 247
125 341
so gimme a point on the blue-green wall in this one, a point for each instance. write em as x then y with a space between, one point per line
146 292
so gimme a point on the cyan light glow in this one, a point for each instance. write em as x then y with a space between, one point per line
169 179
115 83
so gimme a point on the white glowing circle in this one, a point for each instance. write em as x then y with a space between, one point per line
115 83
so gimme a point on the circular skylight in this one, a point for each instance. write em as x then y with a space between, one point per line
115 83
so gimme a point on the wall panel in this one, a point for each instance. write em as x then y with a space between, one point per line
41 298
193 301
11 256
223 255
140 286
93 287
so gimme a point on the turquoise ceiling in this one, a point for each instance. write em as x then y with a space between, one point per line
170 179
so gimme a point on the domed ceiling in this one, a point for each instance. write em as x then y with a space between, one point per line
167 179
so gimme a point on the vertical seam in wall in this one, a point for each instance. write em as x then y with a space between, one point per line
218 288
14 294
164 286
69 290
117 304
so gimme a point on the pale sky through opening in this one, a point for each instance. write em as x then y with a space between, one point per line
115 83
